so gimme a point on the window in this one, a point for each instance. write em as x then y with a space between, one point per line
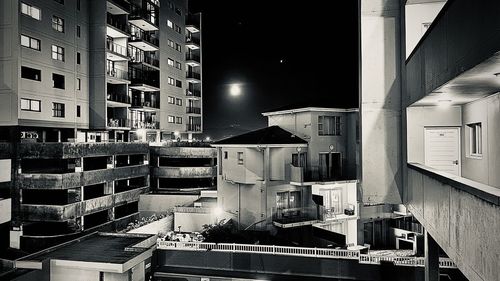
299 159
78 5
171 100
178 29
170 24
225 154
78 58
30 105
78 31
329 125
57 23
170 62
57 109
58 81
57 53
171 119
178 11
240 158
178 47
31 11
288 200
178 65
31 73
178 83
178 102
30 42
78 84
60 1
475 139
171 43
78 112
171 81
178 120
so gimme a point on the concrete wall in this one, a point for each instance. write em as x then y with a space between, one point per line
418 118
192 221
380 101
250 171
160 226
415 16
162 203
483 169
5 165
58 273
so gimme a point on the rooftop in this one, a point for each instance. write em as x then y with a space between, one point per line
312 105
268 135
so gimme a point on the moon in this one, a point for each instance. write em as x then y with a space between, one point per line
235 90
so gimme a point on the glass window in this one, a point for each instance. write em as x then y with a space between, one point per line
30 105
57 53
31 11
171 119
57 109
78 31
78 58
78 84
78 111
170 62
178 65
171 81
178 83
178 102
178 120
475 139
57 23
171 100
178 47
58 81
329 125
240 158
171 43
31 73
170 24
30 42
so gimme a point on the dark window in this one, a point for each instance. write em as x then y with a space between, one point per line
178 120
178 29
58 81
78 4
178 11
58 23
58 109
329 125
225 154
178 83
31 73
77 58
78 84
60 1
78 31
30 105
77 111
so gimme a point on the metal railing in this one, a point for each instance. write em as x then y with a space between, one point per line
139 34
139 103
138 12
118 123
118 98
115 22
197 210
139 56
193 127
193 110
193 93
117 73
192 40
193 57
145 125
193 75
300 252
116 48
295 215
148 77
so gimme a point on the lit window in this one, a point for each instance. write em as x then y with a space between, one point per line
171 119
30 42
170 62
171 81
57 23
31 11
170 24
475 139
171 100
57 109
30 105
171 43
57 53
240 158
329 125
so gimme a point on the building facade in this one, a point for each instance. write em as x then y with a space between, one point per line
299 171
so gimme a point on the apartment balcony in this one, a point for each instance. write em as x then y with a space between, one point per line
118 100
117 76
76 179
144 40
118 7
67 150
119 123
146 105
142 18
192 43
184 172
196 94
295 217
193 23
144 80
346 212
303 176
193 77
141 58
193 128
116 28
193 60
116 52
183 152
193 110
128 196
152 125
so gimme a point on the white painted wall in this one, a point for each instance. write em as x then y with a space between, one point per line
5 165
58 273
192 221
416 16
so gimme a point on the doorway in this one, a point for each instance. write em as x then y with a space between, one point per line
442 149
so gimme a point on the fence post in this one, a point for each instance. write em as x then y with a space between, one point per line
274 250
234 247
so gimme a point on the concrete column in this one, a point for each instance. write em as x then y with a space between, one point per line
431 258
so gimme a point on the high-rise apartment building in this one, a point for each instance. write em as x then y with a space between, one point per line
80 81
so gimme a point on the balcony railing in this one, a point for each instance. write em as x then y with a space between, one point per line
298 215
111 20
145 125
140 35
118 98
193 110
193 21
118 123
193 127
138 57
139 103
193 75
138 12
117 73
193 40
303 174
139 76
116 48
193 210
193 93
192 57
124 4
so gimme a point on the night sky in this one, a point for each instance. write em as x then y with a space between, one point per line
280 52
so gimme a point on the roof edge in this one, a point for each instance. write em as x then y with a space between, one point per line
311 109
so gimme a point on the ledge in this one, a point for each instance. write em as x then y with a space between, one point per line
65 150
483 191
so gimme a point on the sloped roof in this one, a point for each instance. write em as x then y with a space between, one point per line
268 135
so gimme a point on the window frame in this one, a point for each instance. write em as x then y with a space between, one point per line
30 42
30 103
58 110
30 68
29 11
78 111
57 24
171 100
171 119
178 120
330 128
55 75
240 157
475 140
58 53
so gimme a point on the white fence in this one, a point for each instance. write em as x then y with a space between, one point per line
300 252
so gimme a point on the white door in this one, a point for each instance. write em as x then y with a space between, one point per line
442 149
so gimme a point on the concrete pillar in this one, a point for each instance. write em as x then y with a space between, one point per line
431 258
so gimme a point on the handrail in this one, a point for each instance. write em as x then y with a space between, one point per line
301 252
